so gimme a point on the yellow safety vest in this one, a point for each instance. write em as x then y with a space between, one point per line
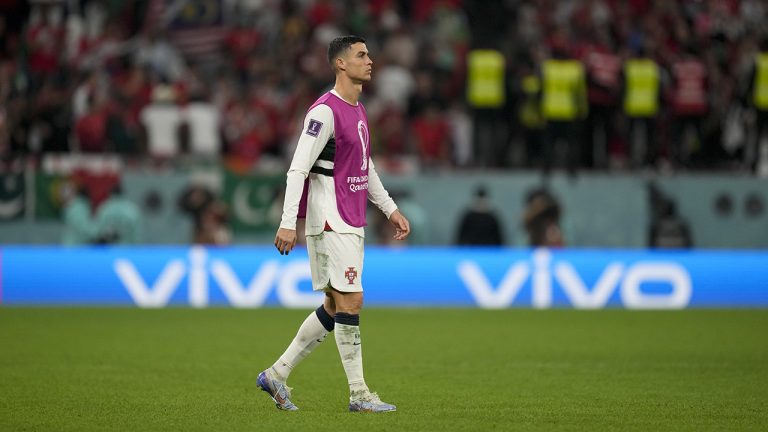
564 91
642 88
530 109
760 94
485 80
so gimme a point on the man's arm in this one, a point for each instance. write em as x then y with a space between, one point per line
318 128
376 192
380 197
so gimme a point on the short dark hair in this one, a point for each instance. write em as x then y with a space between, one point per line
339 45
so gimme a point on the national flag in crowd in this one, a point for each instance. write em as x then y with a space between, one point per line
255 201
61 175
12 195
195 27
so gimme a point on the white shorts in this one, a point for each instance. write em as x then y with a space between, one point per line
336 261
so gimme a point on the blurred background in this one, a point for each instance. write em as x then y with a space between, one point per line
581 123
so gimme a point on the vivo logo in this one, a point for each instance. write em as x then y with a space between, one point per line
543 274
157 294
627 279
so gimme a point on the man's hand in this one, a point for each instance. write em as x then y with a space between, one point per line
401 224
285 240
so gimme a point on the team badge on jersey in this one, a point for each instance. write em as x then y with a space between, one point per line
351 275
313 128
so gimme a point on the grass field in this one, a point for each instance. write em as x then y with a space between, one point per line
446 369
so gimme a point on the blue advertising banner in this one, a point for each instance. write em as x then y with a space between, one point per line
421 277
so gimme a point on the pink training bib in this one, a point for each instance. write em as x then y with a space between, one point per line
350 172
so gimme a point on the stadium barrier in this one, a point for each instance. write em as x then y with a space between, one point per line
252 277
599 210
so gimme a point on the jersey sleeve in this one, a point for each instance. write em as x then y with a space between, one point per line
317 130
377 194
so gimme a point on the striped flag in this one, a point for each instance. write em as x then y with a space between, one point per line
195 27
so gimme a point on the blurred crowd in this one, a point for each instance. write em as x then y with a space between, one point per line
230 80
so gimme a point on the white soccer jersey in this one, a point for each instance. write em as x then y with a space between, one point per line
321 205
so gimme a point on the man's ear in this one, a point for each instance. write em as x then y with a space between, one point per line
340 65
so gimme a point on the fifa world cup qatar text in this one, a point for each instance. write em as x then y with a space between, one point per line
329 182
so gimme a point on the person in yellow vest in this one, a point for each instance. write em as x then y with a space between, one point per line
528 109
487 96
757 98
563 106
642 93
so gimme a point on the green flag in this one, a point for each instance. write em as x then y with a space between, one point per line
51 193
11 196
255 201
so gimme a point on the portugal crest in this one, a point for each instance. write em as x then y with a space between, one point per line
351 275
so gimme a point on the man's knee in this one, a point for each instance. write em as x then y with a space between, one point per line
329 304
350 303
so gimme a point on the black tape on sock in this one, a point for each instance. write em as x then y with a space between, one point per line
347 319
325 318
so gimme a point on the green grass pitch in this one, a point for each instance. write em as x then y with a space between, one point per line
73 369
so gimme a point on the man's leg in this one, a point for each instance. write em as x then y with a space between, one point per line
347 318
312 332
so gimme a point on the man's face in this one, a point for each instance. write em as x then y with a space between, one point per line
357 64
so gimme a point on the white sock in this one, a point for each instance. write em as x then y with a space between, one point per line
310 335
347 334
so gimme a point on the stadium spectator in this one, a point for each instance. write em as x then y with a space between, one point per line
668 229
193 201
91 90
603 67
460 125
91 128
394 83
213 226
541 219
401 48
642 82
527 90
424 93
51 120
118 219
564 105
162 120
156 53
45 37
756 155
486 96
79 226
390 121
241 41
132 46
133 89
479 224
248 133
431 135
204 123
689 105
122 131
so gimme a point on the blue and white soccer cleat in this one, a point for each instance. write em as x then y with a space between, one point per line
278 391
370 402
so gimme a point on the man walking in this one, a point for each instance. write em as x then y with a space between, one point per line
329 182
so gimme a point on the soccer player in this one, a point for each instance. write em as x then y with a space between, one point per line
330 179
